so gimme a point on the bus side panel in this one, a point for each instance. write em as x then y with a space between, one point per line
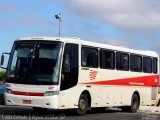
115 88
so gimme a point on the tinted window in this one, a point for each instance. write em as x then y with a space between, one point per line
147 65
89 57
107 59
155 65
122 61
35 62
70 66
135 63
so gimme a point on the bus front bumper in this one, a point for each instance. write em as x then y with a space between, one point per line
33 101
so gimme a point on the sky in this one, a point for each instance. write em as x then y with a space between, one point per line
130 23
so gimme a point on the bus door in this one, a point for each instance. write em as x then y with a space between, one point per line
69 75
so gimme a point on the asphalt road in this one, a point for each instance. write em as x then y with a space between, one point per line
23 113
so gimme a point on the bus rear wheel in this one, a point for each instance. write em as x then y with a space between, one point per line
135 102
82 105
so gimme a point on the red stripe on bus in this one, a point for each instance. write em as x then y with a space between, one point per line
28 93
135 81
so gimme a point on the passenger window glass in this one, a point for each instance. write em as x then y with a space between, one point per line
107 59
89 57
147 65
122 61
155 60
135 63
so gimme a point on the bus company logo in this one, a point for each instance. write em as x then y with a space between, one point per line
92 74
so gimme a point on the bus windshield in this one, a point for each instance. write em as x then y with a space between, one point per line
35 62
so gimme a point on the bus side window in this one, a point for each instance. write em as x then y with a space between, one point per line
147 65
107 59
122 61
135 63
69 72
155 69
89 57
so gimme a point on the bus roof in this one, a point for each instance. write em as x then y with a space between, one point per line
94 44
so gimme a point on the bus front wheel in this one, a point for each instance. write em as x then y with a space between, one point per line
82 105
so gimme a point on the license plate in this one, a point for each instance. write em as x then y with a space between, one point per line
27 101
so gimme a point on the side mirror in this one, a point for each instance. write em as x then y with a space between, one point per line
2 60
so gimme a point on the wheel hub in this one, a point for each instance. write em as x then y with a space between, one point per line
82 104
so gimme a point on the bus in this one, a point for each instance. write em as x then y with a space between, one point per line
69 73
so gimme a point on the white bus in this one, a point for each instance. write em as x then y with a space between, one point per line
68 73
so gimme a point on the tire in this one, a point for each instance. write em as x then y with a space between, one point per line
135 102
39 110
82 105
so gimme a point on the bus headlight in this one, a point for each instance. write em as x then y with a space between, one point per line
8 91
51 93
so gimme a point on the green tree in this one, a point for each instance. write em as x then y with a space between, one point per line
2 75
